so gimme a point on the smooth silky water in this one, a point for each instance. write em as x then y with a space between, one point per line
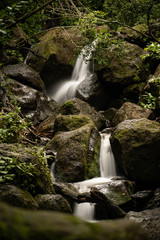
86 210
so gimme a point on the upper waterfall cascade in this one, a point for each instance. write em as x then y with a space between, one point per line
83 69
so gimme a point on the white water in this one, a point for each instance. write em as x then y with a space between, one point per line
67 89
107 170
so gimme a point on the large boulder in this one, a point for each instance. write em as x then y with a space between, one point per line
25 167
125 69
25 75
17 197
131 111
20 224
91 91
149 220
33 103
76 106
135 144
58 48
53 202
77 144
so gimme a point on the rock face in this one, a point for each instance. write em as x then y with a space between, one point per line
135 144
53 202
58 49
92 92
30 170
125 69
131 111
76 106
17 197
25 75
149 220
77 144
51 225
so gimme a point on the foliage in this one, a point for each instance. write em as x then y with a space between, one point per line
148 101
24 174
11 125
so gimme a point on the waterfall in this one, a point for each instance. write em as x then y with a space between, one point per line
107 170
82 70
107 161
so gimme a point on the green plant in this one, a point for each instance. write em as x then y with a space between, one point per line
7 164
11 126
148 101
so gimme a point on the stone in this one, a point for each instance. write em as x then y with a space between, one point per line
25 75
135 144
126 69
141 198
91 91
154 202
149 220
77 149
52 225
110 113
17 197
53 202
28 166
76 106
131 111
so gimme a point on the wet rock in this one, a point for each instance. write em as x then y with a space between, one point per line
52 225
154 202
34 104
76 106
135 144
25 75
92 92
17 197
141 198
149 220
131 111
53 202
77 150
119 191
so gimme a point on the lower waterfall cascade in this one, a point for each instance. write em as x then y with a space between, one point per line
107 171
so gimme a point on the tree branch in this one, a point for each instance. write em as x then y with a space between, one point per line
22 19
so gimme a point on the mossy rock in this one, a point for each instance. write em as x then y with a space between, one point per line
17 197
52 225
77 153
136 144
76 106
28 166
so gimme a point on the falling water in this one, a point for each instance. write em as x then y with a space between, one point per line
82 70
107 170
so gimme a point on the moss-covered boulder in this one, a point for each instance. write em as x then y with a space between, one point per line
17 197
126 68
25 75
76 106
77 144
20 224
136 144
131 111
53 202
25 167
58 48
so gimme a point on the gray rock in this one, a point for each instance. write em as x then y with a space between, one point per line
53 202
154 202
25 75
149 220
131 111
